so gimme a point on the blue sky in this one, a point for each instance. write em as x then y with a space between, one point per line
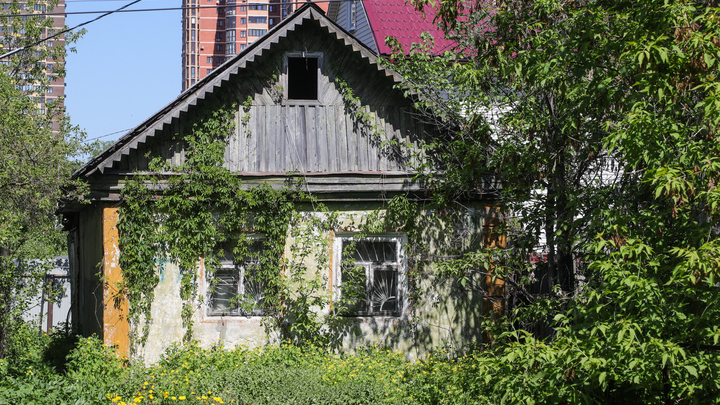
126 68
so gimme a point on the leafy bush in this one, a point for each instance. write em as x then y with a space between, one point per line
563 371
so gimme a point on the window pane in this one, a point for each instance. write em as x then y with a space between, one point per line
375 252
354 288
225 290
252 289
254 292
384 292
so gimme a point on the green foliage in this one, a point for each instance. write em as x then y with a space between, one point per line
600 118
39 149
204 208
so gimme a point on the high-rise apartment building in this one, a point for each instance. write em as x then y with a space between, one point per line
215 30
28 80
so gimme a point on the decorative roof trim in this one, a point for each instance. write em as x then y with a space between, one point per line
189 97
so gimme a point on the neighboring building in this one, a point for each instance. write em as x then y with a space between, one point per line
51 308
297 125
214 31
372 22
56 88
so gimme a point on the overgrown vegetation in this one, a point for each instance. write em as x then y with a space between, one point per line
196 213
39 149
275 374
600 118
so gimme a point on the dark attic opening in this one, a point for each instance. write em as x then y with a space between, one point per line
302 78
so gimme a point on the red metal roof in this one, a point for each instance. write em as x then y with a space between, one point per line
397 19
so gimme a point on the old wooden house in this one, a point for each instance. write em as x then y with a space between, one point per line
293 121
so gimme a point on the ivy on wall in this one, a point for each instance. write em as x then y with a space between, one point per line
188 213
185 213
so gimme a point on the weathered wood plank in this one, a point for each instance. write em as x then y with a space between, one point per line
385 132
229 158
262 138
363 139
132 159
143 159
341 137
322 139
311 138
352 148
281 138
373 140
398 163
331 125
243 144
252 140
301 143
234 146
404 135
289 127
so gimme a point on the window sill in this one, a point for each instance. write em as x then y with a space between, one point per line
301 102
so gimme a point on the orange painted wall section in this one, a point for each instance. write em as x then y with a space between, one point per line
115 306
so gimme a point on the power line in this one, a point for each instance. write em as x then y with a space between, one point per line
66 30
106 135
163 8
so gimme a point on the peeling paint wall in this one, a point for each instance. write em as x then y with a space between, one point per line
115 304
443 314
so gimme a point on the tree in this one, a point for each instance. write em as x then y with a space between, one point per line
37 147
552 93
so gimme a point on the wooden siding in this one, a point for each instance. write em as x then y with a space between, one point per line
362 31
315 139
281 136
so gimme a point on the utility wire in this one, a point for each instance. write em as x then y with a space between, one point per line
66 30
120 10
106 135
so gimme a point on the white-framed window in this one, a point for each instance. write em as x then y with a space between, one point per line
234 288
370 274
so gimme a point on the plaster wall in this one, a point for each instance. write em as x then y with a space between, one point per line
439 311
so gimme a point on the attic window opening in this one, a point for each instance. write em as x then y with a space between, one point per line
302 78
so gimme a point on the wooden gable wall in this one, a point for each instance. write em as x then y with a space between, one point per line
280 136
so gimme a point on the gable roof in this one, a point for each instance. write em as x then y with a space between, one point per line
215 79
397 18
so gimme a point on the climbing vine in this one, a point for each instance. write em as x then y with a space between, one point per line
187 214
196 213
